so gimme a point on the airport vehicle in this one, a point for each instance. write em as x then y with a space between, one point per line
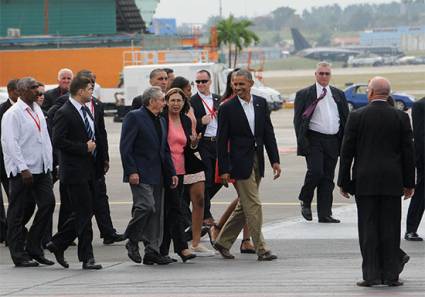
356 95
365 60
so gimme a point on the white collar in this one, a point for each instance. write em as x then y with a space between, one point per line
244 102
23 106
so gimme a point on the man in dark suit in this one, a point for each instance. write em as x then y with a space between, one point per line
74 135
416 207
205 106
147 165
157 78
65 76
244 126
12 90
319 119
101 209
378 138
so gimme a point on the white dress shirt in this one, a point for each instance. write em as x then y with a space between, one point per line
78 106
25 140
211 129
248 108
325 118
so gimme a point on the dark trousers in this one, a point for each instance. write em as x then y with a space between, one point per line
65 209
379 219
42 191
174 220
78 225
208 152
3 222
416 206
321 162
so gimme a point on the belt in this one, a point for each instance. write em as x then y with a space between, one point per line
211 139
311 132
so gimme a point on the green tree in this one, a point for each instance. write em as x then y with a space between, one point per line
236 35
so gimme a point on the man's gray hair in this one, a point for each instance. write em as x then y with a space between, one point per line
151 93
323 64
65 70
243 72
25 83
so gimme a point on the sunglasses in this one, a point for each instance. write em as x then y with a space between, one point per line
324 73
34 87
202 81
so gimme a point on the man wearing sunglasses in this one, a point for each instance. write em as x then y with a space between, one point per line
319 119
205 105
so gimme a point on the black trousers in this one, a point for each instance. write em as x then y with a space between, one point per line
78 225
321 163
417 202
174 220
101 208
42 191
3 222
379 219
208 152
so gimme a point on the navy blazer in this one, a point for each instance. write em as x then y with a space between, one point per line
141 150
233 129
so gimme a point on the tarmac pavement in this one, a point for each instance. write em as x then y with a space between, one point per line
314 259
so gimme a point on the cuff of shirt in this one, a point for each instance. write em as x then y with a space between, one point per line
22 167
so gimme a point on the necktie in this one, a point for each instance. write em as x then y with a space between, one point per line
89 130
308 112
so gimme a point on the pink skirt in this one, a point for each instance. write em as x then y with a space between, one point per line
190 179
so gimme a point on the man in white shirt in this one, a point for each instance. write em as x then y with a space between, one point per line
319 119
28 162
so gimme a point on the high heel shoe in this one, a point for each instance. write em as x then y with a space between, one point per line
213 233
186 257
246 251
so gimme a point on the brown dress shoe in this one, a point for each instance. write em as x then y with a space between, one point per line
267 256
223 251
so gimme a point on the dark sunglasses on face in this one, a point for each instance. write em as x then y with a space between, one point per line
324 73
201 81
34 87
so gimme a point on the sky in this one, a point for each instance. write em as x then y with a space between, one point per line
198 11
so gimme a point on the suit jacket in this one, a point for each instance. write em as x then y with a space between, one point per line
3 108
234 132
199 110
50 98
303 99
141 150
102 148
378 138
192 164
76 164
418 119
136 103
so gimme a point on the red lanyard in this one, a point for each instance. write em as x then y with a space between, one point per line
211 111
36 121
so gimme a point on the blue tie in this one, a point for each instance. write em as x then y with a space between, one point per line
89 131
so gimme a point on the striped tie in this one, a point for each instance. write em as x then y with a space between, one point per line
89 130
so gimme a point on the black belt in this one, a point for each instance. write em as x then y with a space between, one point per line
211 139
314 133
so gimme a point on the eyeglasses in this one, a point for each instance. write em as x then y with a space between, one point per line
34 87
202 81
324 73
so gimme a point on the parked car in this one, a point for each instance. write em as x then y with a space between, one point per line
356 95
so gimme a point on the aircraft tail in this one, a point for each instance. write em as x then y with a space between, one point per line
300 42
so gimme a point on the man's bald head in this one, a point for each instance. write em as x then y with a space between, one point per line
378 88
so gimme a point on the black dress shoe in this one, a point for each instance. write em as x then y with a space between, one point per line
133 252
43 260
91 264
26 263
403 262
170 259
366 283
186 257
392 283
412 236
113 238
306 211
328 219
58 254
267 256
225 253
153 258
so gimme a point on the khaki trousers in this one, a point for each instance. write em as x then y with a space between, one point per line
248 210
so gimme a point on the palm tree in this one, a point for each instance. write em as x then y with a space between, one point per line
235 34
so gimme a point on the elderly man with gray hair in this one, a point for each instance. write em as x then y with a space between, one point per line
28 162
320 113
65 76
148 167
